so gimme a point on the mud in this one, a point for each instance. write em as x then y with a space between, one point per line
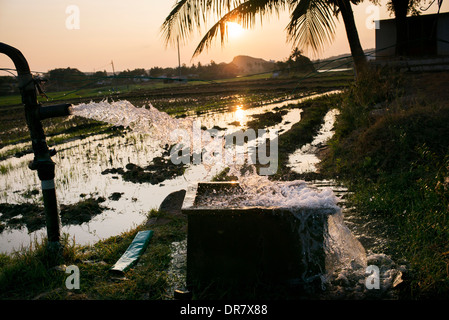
32 216
159 170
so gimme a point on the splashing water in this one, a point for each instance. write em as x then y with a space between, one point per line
261 191
342 249
123 113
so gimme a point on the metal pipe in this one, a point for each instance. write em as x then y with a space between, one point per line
57 110
42 162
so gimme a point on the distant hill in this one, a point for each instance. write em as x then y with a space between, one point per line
241 65
250 65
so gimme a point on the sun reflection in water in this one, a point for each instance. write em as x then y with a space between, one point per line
240 115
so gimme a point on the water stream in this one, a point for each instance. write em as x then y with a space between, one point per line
304 159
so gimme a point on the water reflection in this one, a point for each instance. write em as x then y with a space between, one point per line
305 159
240 115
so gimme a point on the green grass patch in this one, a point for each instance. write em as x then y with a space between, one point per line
392 152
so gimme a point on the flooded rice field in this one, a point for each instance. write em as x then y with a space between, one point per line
107 183
123 174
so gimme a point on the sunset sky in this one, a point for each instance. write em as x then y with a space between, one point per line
128 33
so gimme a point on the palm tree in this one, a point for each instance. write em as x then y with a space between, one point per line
311 22
400 9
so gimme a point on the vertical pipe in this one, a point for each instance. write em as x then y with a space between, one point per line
51 210
42 158
46 173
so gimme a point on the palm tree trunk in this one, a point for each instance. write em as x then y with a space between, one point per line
400 8
360 61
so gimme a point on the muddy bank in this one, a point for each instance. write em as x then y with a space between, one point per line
16 216
265 120
32 216
159 170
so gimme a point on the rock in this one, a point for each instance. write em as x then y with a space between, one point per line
173 202
61 268
115 196
341 280
157 221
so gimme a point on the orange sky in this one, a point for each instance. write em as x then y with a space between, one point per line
128 33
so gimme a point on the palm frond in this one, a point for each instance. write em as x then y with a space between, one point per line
244 14
188 15
312 24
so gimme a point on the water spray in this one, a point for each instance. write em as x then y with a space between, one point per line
42 163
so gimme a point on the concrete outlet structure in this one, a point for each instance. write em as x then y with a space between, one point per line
246 246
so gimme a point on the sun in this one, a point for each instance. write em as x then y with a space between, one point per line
234 29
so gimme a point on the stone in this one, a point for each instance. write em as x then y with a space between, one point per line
172 204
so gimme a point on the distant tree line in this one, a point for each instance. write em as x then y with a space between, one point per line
211 71
63 79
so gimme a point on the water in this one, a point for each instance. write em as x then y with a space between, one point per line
260 191
80 165
305 159
142 120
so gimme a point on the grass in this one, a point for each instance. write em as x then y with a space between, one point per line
57 133
391 150
30 273
100 92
